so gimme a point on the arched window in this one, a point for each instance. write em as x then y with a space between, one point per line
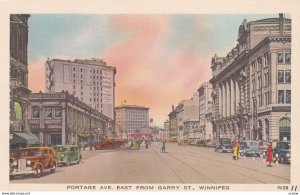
18 110
285 129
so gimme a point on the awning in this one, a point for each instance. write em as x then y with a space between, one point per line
17 138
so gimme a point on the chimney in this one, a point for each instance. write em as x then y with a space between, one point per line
281 24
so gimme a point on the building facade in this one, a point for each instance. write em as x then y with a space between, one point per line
181 118
19 92
131 119
252 84
173 128
61 118
92 81
193 129
205 106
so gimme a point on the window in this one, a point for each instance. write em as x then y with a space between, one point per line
287 58
74 86
287 76
259 63
266 57
280 76
288 96
48 112
280 96
81 69
57 112
74 69
35 112
266 78
280 58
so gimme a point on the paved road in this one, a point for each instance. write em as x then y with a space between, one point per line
188 164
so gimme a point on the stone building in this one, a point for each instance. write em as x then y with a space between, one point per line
19 92
173 127
92 81
252 84
61 118
205 111
131 119
182 118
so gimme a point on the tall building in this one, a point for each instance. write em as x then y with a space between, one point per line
19 72
205 103
92 81
252 84
131 119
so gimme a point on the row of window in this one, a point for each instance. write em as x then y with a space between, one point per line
260 81
284 58
49 113
284 96
284 76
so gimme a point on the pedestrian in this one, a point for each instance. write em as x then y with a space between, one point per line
234 144
162 145
235 150
270 155
146 144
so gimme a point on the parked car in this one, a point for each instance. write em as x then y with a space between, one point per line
183 143
135 144
263 147
32 161
67 154
283 151
249 148
224 145
106 145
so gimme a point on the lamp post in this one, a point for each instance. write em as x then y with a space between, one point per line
90 129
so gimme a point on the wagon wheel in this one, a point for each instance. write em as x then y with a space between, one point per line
53 168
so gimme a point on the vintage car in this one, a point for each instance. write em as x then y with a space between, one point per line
224 145
283 151
106 145
183 143
32 161
67 154
135 144
263 147
249 148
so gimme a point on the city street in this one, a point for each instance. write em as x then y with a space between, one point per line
180 164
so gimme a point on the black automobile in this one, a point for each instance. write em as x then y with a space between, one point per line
283 151
224 145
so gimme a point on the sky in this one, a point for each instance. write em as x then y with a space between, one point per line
160 59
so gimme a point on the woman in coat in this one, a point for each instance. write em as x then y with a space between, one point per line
270 154
235 150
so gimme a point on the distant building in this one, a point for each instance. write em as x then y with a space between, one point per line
92 81
252 83
205 111
131 119
186 112
61 118
19 92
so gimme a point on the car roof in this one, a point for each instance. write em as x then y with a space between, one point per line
42 147
65 146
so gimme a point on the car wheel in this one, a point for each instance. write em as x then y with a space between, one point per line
52 170
79 159
38 172
68 162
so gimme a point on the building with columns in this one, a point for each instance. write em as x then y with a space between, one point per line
252 83
19 92
205 112
61 118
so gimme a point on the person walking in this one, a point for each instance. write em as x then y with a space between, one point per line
162 145
235 150
270 155
233 145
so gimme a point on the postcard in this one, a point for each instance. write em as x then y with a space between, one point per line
149 96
